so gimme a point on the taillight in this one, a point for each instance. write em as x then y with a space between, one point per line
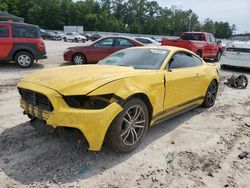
41 46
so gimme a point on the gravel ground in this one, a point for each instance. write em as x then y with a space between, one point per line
197 149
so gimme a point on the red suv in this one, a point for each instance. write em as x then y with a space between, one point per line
21 43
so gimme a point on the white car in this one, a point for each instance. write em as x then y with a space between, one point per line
236 54
74 37
147 41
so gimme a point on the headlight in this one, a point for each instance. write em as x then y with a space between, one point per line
89 102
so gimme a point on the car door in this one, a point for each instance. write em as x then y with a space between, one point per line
6 43
100 49
69 36
121 43
214 47
207 51
181 81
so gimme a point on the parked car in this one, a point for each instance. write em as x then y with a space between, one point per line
49 35
201 43
74 37
55 36
95 37
98 50
21 43
121 96
60 33
236 54
44 34
147 41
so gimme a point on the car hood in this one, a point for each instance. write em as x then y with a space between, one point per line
80 79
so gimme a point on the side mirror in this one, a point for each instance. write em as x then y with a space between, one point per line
218 41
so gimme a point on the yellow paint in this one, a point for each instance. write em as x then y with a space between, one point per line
182 85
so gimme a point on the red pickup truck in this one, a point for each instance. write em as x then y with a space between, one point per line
201 43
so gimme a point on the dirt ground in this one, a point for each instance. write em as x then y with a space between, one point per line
197 149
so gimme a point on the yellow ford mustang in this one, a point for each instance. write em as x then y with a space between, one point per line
121 96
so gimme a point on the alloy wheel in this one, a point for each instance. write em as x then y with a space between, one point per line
211 94
133 125
241 82
24 60
78 60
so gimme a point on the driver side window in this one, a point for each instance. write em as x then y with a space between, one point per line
212 39
105 43
182 60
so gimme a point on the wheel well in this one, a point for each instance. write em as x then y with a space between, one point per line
13 58
146 100
216 81
79 54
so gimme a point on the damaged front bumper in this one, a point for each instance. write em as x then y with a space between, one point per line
92 123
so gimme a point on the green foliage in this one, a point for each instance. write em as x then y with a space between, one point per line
134 16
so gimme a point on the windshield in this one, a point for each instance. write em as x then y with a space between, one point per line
139 58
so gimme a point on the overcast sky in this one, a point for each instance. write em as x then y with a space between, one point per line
233 11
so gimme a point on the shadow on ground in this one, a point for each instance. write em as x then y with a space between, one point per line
28 156
12 67
66 64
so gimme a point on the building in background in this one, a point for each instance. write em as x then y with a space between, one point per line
4 16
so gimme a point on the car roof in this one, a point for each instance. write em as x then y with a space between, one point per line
118 36
143 38
196 32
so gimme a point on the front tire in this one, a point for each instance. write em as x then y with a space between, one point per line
211 94
129 127
79 59
24 59
217 58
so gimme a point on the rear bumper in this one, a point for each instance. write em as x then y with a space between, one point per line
41 57
92 123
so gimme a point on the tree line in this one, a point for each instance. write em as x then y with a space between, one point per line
132 16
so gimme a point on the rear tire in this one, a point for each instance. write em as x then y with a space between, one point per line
65 39
24 59
211 94
129 127
75 40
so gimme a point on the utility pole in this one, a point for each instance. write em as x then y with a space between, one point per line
189 21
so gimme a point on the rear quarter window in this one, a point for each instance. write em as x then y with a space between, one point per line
143 41
25 31
4 31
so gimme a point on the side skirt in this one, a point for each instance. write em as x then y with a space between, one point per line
175 114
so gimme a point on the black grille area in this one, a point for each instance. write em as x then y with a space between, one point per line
244 50
36 99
